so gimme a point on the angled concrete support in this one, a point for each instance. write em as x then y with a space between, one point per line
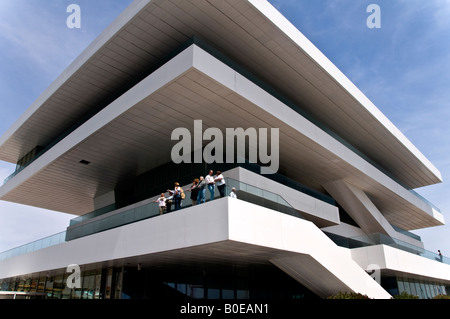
326 277
364 212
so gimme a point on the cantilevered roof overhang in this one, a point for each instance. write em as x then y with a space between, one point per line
251 33
133 135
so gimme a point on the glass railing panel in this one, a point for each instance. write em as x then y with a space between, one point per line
435 256
115 220
33 246
240 186
407 233
46 242
261 197
255 191
381 239
270 196
26 249
424 199
130 216
95 213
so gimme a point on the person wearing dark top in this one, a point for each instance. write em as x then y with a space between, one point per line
194 192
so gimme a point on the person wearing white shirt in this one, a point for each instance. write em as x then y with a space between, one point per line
209 179
162 203
233 193
220 182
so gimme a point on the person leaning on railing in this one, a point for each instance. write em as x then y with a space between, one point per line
162 203
220 182
176 195
201 190
194 191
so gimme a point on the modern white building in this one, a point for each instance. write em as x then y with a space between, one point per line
335 217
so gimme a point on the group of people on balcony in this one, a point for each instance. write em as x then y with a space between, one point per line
197 190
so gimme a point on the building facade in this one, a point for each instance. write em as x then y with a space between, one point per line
174 89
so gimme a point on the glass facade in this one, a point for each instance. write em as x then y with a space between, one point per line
422 288
172 282
212 282
191 281
95 284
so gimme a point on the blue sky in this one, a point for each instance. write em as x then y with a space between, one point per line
402 67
